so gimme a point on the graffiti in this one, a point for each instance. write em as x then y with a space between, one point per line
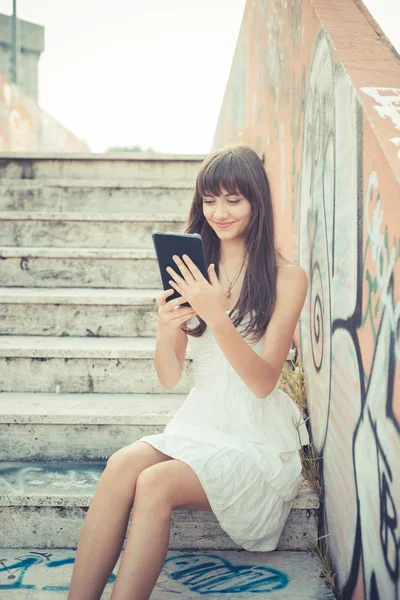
384 260
377 444
23 572
330 152
207 574
351 402
202 573
376 439
20 479
388 106
317 189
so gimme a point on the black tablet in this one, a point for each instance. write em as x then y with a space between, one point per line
166 244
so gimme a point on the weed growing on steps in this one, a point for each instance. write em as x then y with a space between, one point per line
292 382
322 549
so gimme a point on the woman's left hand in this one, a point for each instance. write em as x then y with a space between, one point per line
204 297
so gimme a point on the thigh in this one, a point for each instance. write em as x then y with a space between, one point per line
175 483
136 457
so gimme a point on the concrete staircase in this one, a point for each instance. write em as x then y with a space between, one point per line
79 281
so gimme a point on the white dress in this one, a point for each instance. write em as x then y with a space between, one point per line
243 449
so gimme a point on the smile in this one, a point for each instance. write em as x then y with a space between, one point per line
224 225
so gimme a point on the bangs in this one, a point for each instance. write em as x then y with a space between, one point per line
222 173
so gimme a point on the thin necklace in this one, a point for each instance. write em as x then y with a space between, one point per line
227 294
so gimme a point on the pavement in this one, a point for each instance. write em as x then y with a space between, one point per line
29 574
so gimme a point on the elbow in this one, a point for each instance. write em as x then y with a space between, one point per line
266 389
170 385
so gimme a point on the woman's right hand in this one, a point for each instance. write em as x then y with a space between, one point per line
171 315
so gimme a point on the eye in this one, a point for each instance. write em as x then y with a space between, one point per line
230 201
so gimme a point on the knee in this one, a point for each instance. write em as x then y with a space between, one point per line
153 491
119 461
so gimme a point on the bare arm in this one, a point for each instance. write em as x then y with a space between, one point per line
169 357
261 373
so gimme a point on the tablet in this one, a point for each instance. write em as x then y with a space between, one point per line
168 243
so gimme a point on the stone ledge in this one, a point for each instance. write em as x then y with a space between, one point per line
90 216
88 409
111 156
58 483
54 252
95 296
28 184
78 347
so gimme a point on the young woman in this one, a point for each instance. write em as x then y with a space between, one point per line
233 446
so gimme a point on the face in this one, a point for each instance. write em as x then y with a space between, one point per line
227 208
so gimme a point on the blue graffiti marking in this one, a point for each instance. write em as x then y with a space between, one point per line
22 566
208 573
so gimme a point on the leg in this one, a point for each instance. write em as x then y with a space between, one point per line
106 521
160 489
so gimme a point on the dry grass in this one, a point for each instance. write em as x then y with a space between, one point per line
322 549
292 382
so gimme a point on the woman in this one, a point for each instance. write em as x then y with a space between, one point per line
233 446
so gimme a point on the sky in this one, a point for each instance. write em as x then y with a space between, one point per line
144 72
128 72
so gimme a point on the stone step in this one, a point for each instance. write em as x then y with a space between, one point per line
128 268
47 426
102 195
85 364
84 230
137 165
78 312
42 505
45 574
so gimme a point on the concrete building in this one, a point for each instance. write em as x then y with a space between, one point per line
30 41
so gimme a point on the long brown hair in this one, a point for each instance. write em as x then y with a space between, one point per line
239 169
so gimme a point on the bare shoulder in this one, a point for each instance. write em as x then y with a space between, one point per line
292 275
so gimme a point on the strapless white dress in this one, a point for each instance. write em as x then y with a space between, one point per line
243 449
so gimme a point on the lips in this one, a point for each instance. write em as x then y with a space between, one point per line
224 225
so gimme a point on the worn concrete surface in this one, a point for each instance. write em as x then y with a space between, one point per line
45 574
101 195
69 230
100 166
79 312
106 230
79 267
44 504
86 409
38 426
76 375
79 320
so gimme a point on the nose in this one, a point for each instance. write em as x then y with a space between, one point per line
220 212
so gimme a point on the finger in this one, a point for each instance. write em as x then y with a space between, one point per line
182 311
173 303
183 268
195 271
212 273
162 298
186 318
175 275
175 286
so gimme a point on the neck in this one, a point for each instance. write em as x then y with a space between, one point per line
232 253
